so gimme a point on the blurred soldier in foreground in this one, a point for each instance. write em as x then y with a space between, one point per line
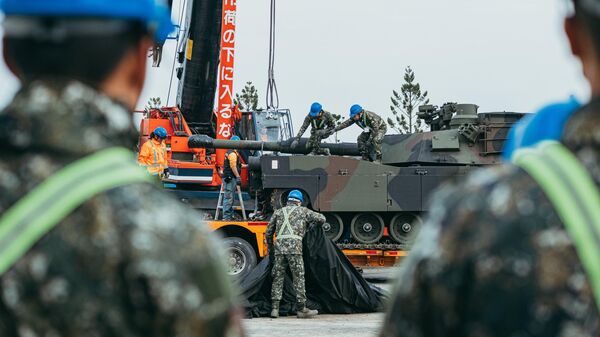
374 129
153 154
498 256
290 223
88 246
322 124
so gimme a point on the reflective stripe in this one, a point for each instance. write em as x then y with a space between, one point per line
154 151
317 125
287 226
574 196
363 122
41 209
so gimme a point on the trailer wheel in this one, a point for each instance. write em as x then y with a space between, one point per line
241 257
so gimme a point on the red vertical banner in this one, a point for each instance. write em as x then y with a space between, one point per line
226 64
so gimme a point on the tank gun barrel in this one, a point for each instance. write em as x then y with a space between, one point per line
204 141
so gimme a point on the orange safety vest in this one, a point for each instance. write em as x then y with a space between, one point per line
153 156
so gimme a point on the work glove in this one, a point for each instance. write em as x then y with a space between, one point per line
238 181
328 132
294 143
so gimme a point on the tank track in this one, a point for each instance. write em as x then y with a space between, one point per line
374 246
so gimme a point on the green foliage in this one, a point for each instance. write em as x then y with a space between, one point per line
153 103
248 100
405 104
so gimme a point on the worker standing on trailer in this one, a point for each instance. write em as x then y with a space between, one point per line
290 223
374 129
89 246
322 124
514 250
153 154
231 180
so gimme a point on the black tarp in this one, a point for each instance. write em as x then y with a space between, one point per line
333 285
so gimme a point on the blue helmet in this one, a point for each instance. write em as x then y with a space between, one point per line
315 109
235 138
355 110
160 132
295 195
155 14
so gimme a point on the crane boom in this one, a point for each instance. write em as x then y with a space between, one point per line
200 59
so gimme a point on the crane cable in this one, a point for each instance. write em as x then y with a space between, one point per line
272 93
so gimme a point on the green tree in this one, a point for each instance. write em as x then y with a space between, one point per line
405 104
248 100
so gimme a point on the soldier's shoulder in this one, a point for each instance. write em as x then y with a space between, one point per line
146 204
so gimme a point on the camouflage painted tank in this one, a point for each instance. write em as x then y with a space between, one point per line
371 205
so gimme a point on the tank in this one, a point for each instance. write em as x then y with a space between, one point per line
372 205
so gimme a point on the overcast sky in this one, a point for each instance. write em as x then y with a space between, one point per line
502 55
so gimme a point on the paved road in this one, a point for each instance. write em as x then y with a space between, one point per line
357 325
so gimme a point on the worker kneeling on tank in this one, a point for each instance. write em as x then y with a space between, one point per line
291 223
153 154
322 124
374 129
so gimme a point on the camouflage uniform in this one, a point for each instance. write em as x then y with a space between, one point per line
289 249
129 262
374 130
324 122
494 258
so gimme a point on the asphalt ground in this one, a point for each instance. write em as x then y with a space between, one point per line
355 325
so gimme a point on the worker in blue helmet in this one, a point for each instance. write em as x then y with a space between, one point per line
94 225
289 224
374 129
153 153
322 124
231 180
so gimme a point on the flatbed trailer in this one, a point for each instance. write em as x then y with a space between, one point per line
247 245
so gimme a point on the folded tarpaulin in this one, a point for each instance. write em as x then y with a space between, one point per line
333 285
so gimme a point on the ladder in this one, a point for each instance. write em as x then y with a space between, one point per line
220 202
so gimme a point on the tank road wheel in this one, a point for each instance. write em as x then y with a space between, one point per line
367 227
240 256
333 227
404 228
279 198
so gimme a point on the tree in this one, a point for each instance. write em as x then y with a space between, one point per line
248 100
405 103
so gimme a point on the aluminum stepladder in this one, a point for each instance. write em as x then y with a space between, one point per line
220 202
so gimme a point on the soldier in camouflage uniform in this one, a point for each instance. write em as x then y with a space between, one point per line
322 124
494 257
132 261
290 223
374 129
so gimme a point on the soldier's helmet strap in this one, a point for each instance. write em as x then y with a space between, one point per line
287 231
575 197
34 215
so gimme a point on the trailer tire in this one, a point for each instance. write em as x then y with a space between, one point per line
241 257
